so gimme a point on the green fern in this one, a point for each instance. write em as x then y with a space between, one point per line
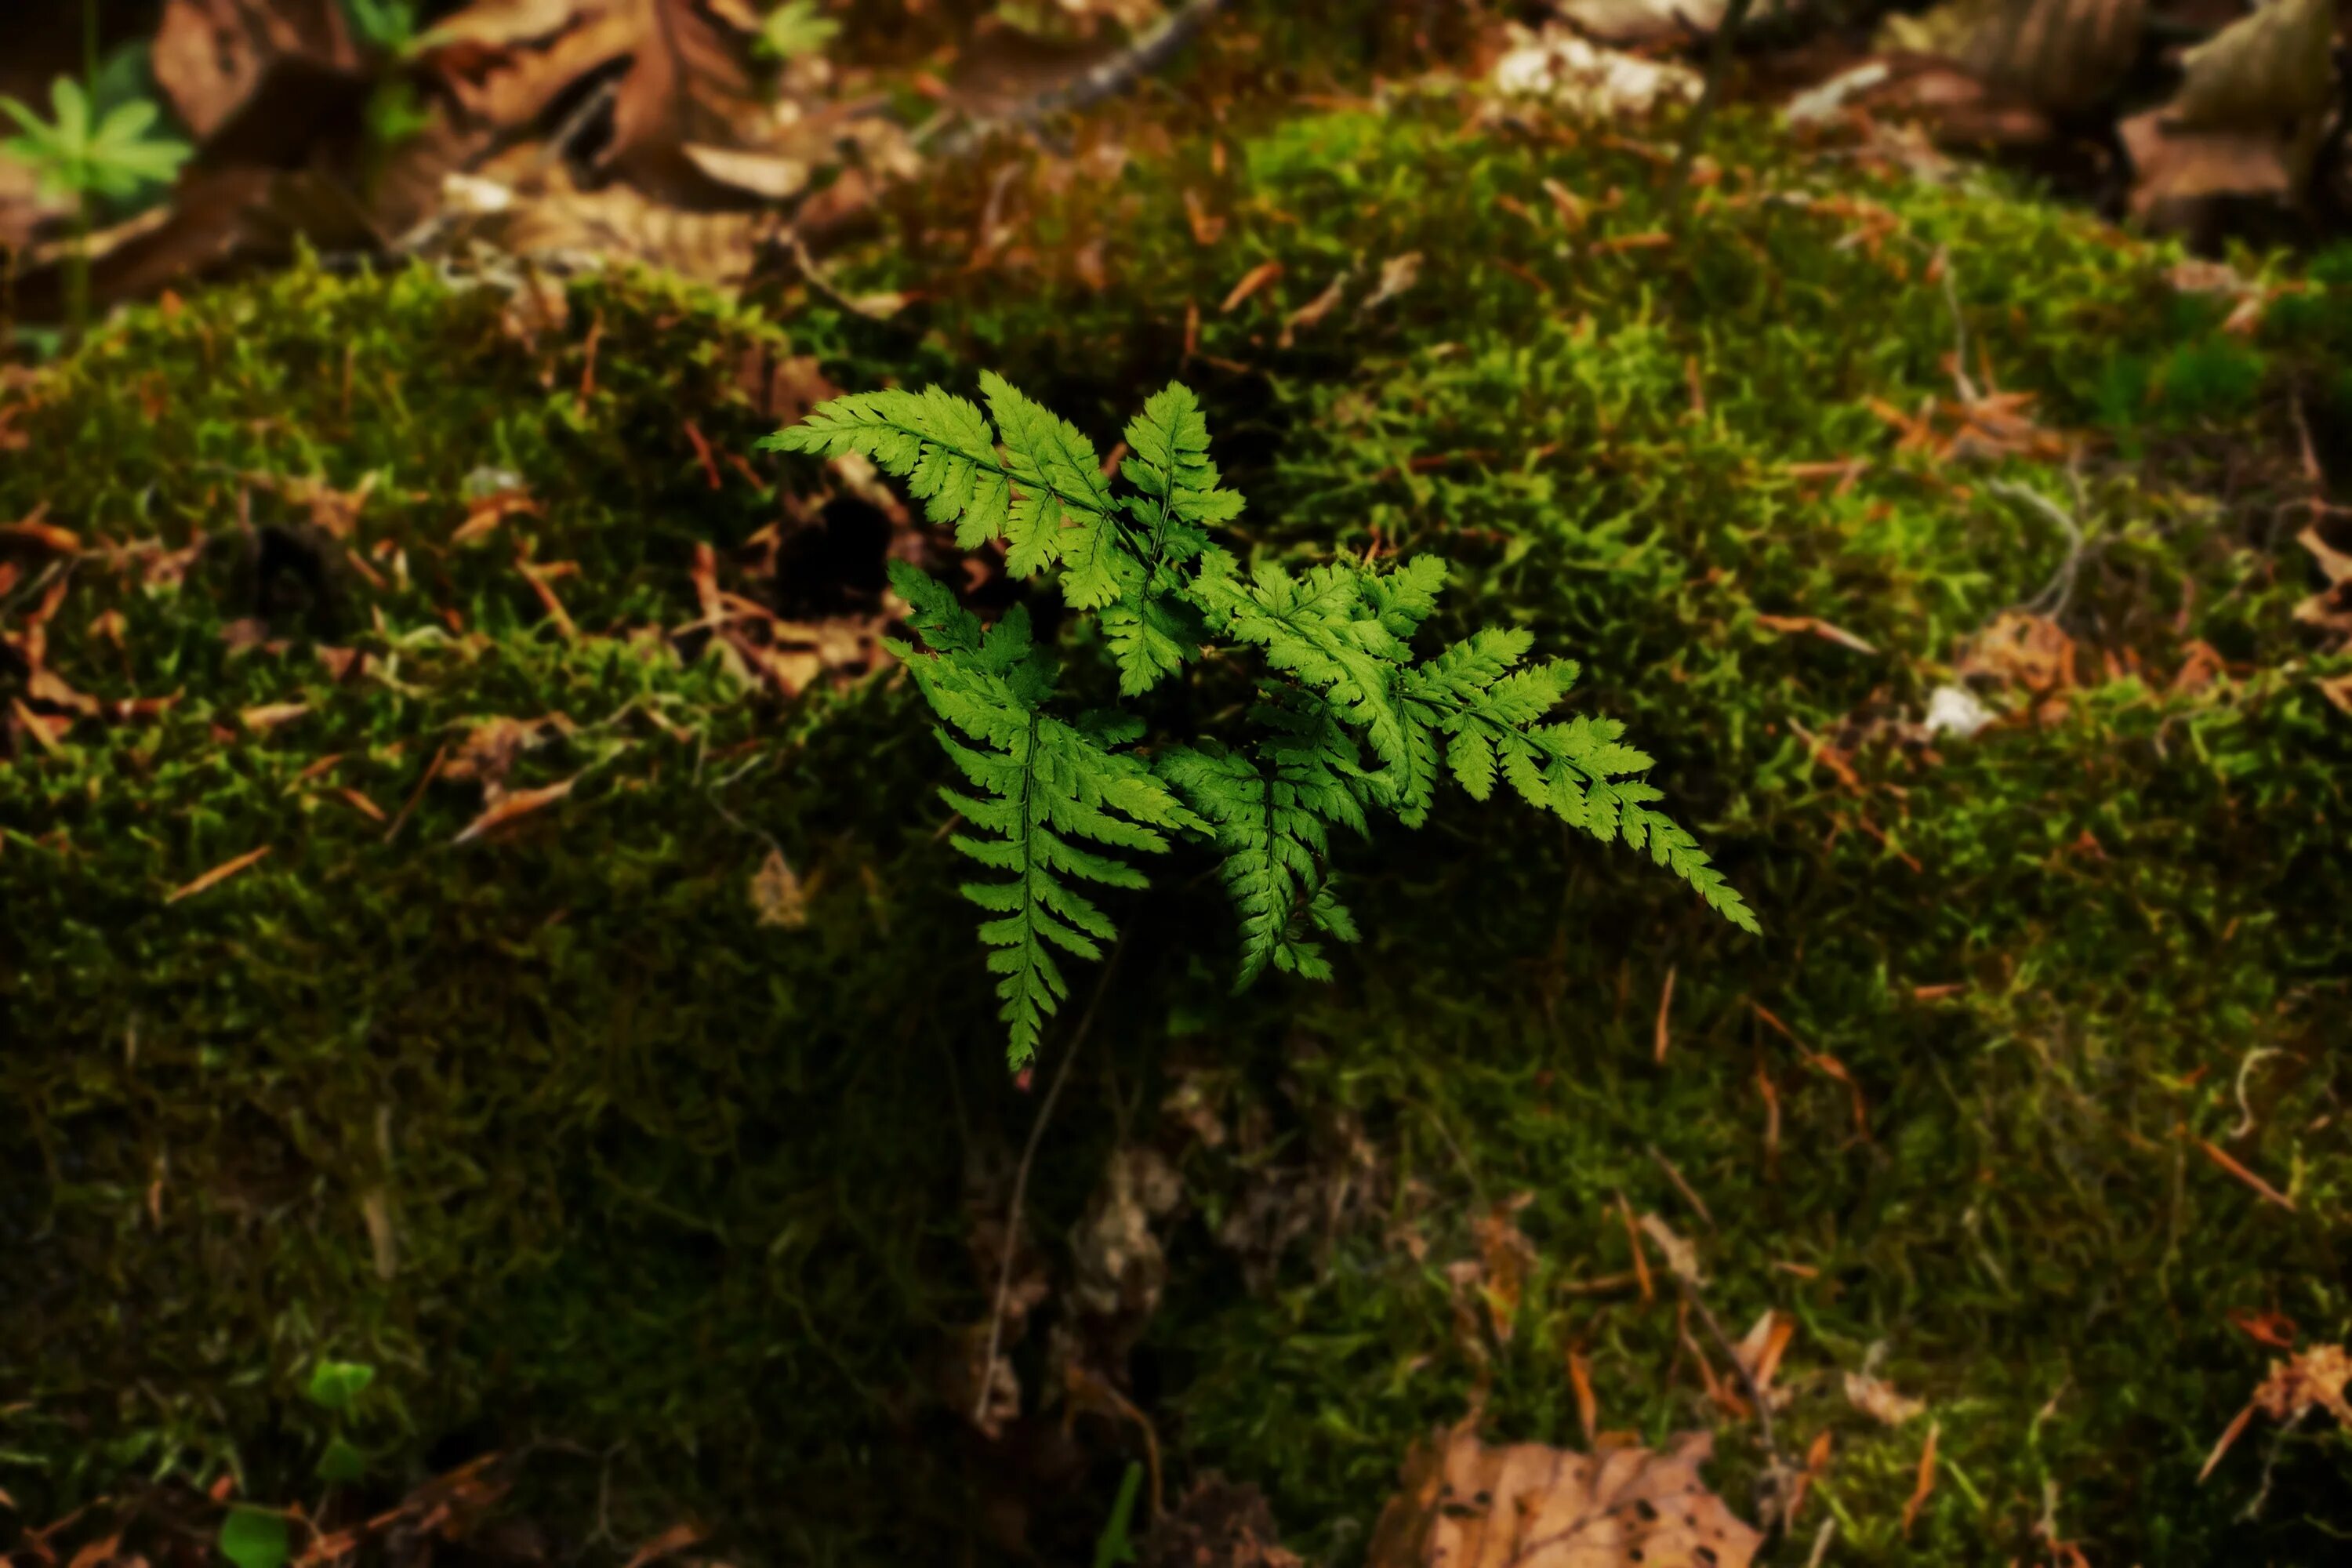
1348 722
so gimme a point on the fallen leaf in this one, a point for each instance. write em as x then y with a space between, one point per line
270 715
1587 1407
2314 1377
1464 1505
2336 689
1311 313
1682 1257
777 893
2270 65
510 806
1506 1258
1586 79
1631 24
1878 1399
218 874
210 56
1118 1264
1760 1350
1398 273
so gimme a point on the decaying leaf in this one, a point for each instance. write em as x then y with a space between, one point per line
1578 76
1398 273
1877 1399
2271 66
777 893
2023 651
210 56
1465 1505
2049 54
1682 1258
1118 1264
1216 1525
1632 24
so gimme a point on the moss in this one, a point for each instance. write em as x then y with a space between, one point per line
661 1176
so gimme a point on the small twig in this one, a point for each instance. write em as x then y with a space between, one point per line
821 282
1821 1538
432 771
1021 1184
1682 1187
1108 80
2270 1462
1778 1470
1718 66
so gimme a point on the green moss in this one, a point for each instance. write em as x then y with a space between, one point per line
663 1177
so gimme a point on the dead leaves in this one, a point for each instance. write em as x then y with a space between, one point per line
217 875
778 894
2312 1378
517 804
1465 1505
2248 118
1879 1399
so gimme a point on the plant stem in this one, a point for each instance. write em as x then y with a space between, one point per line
77 261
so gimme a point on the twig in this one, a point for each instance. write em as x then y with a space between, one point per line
1682 1187
1821 1538
1021 1184
1718 65
1778 1470
1108 80
821 282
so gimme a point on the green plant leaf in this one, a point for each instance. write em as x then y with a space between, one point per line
797 28
342 1463
336 1385
1114 1544
254 1538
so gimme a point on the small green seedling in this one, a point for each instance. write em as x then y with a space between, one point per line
254 1538
1116 1544
335 1388
87 157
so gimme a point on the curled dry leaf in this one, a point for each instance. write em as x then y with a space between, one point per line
1877 1399
1398 273
210 54
1465 1505
1119 1263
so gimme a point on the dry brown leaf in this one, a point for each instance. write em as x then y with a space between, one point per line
2175 172
1464 1505
1631 24
2054 53
1398 273
217 875
2021 650
520 803
1682 1258
209 56
2333 565
685 80
2271 66
2336 689
269 716
768 175
1117 1264
1311 313
1760 1350
777 893
1878 1399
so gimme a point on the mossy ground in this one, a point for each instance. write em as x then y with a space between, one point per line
683 1193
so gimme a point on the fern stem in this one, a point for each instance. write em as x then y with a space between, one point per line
1021 1184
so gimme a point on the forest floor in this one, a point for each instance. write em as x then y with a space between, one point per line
497 1070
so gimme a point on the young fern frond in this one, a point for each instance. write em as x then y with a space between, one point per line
1046 793
1051 797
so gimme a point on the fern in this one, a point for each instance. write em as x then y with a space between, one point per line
1348 722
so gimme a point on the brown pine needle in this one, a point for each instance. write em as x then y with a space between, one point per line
218 874
1925 1484
2263 1189
1641 1260
1666 1002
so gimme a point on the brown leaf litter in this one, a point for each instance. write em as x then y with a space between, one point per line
1527 1505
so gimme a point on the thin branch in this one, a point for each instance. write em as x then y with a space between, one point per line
1106 79
1021 1184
